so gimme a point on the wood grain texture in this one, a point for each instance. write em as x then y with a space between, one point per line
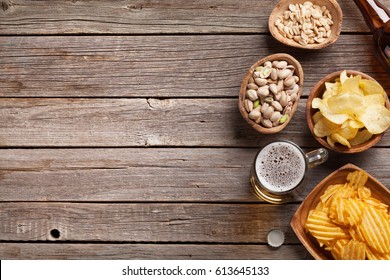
161 66
144 222
58 122
151 175
147 17
61 251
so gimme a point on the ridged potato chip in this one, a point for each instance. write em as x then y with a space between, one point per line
352 111
349 222
353 250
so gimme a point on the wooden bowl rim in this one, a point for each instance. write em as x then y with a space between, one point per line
298 71
310 112
335 12
311 200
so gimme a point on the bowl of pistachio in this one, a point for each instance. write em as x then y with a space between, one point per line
306 24
270 92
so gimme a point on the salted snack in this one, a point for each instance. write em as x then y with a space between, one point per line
351 110
271 92
305 23
349 223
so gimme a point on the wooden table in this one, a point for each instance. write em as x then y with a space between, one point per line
120 133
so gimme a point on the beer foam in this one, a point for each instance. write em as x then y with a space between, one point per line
280 166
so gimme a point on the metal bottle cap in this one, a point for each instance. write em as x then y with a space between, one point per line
275 238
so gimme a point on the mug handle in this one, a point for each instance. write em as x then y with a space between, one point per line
317 157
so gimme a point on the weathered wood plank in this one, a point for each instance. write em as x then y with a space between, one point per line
166 66
61 251
58 122
146 17
150 175
144 222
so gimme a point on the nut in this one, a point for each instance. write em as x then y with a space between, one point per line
271 92
302 23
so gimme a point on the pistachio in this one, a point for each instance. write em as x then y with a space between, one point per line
264 107
269 99
265 72
283 99
273 88
252 86
293 97
261 82
277 106
275 116
267 123
248 104
277 96
256 103
289 82
251 94
274 75
258 120
283 119
268 112
281 64
263 91
253 115
284 73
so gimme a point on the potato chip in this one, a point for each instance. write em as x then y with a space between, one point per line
324 127
361 137
348 132
340 139
353 250
357 179
376 118
323 229
371 87
349 103
338 246
357 105
349 222
375 228
374 255
374 99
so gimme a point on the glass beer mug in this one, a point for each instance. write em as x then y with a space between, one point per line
279 170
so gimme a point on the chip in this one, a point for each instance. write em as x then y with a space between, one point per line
376 118
361 137
375 228
353 250
352 109
349 222
325 127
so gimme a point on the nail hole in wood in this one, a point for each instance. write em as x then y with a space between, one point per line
55 233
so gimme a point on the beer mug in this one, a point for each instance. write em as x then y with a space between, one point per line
279 170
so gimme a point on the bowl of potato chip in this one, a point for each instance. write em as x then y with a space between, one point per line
348 111
346 216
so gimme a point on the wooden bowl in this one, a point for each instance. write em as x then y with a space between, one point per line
378 191
318 91
298 71
331 5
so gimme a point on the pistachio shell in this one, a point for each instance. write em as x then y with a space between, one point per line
253 115
248 104
283 74
263 91
277 106
252 86
261 82
266 123
251 94
273 88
